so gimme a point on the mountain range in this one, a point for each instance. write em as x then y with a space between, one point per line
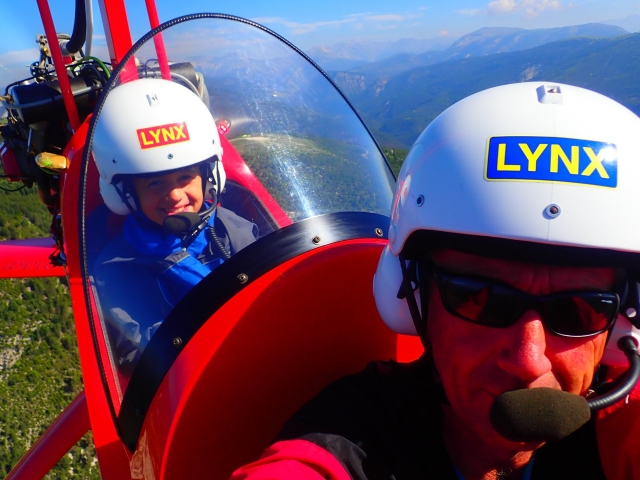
348 55
397 107
485 41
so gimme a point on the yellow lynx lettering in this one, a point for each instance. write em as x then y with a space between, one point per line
168 134
596 164
532 158
144 139
572 165
179 132
502 166
156 135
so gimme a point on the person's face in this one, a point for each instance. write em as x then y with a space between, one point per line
476 363
176 192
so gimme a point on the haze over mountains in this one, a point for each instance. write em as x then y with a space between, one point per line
400 95
485 41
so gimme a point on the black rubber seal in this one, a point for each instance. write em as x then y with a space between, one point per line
219 287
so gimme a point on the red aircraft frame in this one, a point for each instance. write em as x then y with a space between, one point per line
178 439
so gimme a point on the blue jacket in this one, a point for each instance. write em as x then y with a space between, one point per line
178 271
143 273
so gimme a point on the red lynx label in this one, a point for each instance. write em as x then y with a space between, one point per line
151 137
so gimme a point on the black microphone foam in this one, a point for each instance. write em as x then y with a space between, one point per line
180 222
538 414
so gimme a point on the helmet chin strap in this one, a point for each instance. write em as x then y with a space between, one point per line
410 284
190 224
127 194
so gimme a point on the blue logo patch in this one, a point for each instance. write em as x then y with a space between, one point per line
552 159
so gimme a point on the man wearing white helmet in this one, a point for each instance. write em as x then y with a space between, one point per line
158 154
514 254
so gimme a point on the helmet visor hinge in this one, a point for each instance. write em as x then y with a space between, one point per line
630 307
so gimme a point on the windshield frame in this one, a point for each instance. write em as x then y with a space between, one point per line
366 225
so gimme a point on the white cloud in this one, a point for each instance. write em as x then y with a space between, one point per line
502 6
387 18
23 57
99 39
534 7
299 28
472 13
529 8
15 65
356 20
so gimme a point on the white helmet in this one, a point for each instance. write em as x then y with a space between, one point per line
148 126
537 171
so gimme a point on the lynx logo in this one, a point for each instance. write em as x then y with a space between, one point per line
551 159
151 137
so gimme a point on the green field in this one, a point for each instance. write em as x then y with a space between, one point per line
39 366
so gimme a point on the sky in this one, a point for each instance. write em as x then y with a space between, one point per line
314 23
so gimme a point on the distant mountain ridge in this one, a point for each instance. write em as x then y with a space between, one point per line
397 108
630 23
491 40
348 55
485 41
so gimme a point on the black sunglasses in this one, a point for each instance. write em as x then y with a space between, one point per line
493 304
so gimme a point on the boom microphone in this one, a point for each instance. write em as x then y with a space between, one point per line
538 414
545 414
180 222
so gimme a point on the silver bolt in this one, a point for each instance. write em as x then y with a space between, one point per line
316 240
552 211
243 278
379 232
170 156
177 341
631 312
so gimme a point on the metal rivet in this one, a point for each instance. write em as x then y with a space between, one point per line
379 232
316 240
631 312
243 278
114 161
177 341
552 210
138 411
420 200
213 141
170 156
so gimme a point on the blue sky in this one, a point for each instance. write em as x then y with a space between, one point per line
311 23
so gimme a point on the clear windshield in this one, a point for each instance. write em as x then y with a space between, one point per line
293 148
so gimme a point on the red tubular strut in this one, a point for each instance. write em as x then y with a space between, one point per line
58 63
154 21
55 442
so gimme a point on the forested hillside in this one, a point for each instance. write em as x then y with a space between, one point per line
397 108
39 367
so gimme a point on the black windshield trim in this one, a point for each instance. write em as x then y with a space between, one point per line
220 286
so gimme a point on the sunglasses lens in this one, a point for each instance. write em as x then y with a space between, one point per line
581 314
494 305
482 302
